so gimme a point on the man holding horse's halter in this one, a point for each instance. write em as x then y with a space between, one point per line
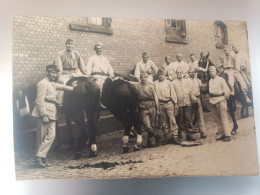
231 68
46 112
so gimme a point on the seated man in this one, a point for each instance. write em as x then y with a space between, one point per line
147 66
168 102
70 64
232 70
99 67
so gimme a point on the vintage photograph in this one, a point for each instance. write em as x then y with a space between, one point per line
103 97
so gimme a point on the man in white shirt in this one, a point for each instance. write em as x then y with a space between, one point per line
179 63
99 67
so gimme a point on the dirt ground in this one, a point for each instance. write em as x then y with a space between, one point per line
212 158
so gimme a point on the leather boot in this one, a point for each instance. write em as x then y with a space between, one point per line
248 101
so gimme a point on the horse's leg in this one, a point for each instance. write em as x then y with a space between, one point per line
69 127
232 114
92 127
137 126
247 114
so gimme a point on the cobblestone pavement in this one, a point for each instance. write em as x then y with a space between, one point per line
237 157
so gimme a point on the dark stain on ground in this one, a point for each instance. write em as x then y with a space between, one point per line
104 164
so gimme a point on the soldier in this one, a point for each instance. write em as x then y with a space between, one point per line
232 70
70 64
193 63
148 108
180 63
147 66
185 98
167 60
196 111
169 70
219 93
45 110
168 101
99 67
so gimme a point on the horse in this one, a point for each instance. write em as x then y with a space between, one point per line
231 104
84 98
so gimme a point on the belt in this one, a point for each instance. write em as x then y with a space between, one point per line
69 68
219 95
50 101
99 73
164 101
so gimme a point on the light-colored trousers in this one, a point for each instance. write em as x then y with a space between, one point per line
148 117
100 80
168 118
238 77
45 137
222 117
199 113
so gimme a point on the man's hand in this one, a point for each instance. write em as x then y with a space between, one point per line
45 119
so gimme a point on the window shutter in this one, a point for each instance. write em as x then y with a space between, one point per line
107 22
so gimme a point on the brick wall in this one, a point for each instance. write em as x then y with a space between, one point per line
37 40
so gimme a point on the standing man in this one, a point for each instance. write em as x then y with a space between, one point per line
193 63
219 93
147 66
232 70
148 108
70 64
169 70
185 98
168 101
180 63
46 112
99 67
196 111
167 60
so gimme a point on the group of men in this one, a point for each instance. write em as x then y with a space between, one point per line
174 97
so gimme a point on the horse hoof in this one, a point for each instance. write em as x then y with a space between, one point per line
125 149
233 132
92 154
77 155
137 148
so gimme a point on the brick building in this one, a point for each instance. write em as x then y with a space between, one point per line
38 39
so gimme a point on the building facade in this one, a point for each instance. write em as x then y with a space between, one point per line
37 41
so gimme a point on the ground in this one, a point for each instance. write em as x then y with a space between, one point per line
212 158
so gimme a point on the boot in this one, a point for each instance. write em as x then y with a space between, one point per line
248 101
175 140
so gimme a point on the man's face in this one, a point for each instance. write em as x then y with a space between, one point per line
179 58
235 48
192 58
212 72
226 51
179 74
144 79
161 76
191 73
145 58
53 74
168 60
70 46
99 49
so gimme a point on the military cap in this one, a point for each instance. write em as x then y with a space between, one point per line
143 73
145 54
179 68
212 67
52 67
160 71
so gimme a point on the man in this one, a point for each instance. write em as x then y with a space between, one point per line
242 64
70 64
185 98
167 60
193 63
148 108
232 70
168 101
147 66
196 111
168 69
45 110
99 67
219 93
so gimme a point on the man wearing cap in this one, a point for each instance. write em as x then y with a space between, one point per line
231 68
147 66
70 64
185 98
196 111
167 101
99 67
219 93
148 108
242 63
46 112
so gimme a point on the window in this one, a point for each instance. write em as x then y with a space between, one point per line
175 31
94 24
220 34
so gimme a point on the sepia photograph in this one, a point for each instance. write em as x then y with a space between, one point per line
100 97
